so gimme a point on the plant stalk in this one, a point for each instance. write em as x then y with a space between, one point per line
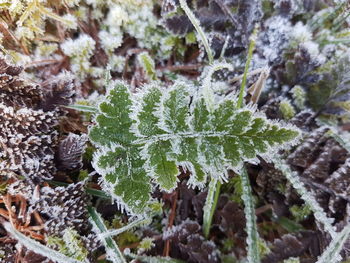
112 249
246 68
210 204
251 226
196 24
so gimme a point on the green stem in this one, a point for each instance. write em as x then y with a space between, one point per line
208 93
112 249
198 28
210 204
251 226
247 64
137 222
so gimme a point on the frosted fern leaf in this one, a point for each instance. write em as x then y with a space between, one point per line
144 137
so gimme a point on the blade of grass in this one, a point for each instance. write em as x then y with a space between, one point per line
247 196
332 252
137 222
149 259
83 108
251 226
246 68
112 249
196 24
38 248
308 198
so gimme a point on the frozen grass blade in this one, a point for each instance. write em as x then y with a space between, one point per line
137 222
332 252
247 196
38 248
196 24
249 211
83 108
112 250
247 64
210 205
308 198
149 259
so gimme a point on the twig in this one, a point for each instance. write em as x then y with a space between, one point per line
180 67
166 251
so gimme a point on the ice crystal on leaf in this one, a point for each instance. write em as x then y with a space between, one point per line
146 136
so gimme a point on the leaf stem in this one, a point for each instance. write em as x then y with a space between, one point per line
112 249
137 222
196 24
210 204
249 211
246 68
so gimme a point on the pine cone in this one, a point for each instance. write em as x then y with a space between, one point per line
64 207
339 180
191 246
295 245
27 142
28 119
70 150
15 91
307 151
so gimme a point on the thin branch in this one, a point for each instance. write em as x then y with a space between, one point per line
196 24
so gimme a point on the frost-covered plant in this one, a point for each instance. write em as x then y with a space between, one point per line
135 18
27 17
332 91
144 137
287 109
299 96
115 22
70 244
148 66
80 51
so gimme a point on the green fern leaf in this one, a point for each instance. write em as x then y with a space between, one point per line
146 136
